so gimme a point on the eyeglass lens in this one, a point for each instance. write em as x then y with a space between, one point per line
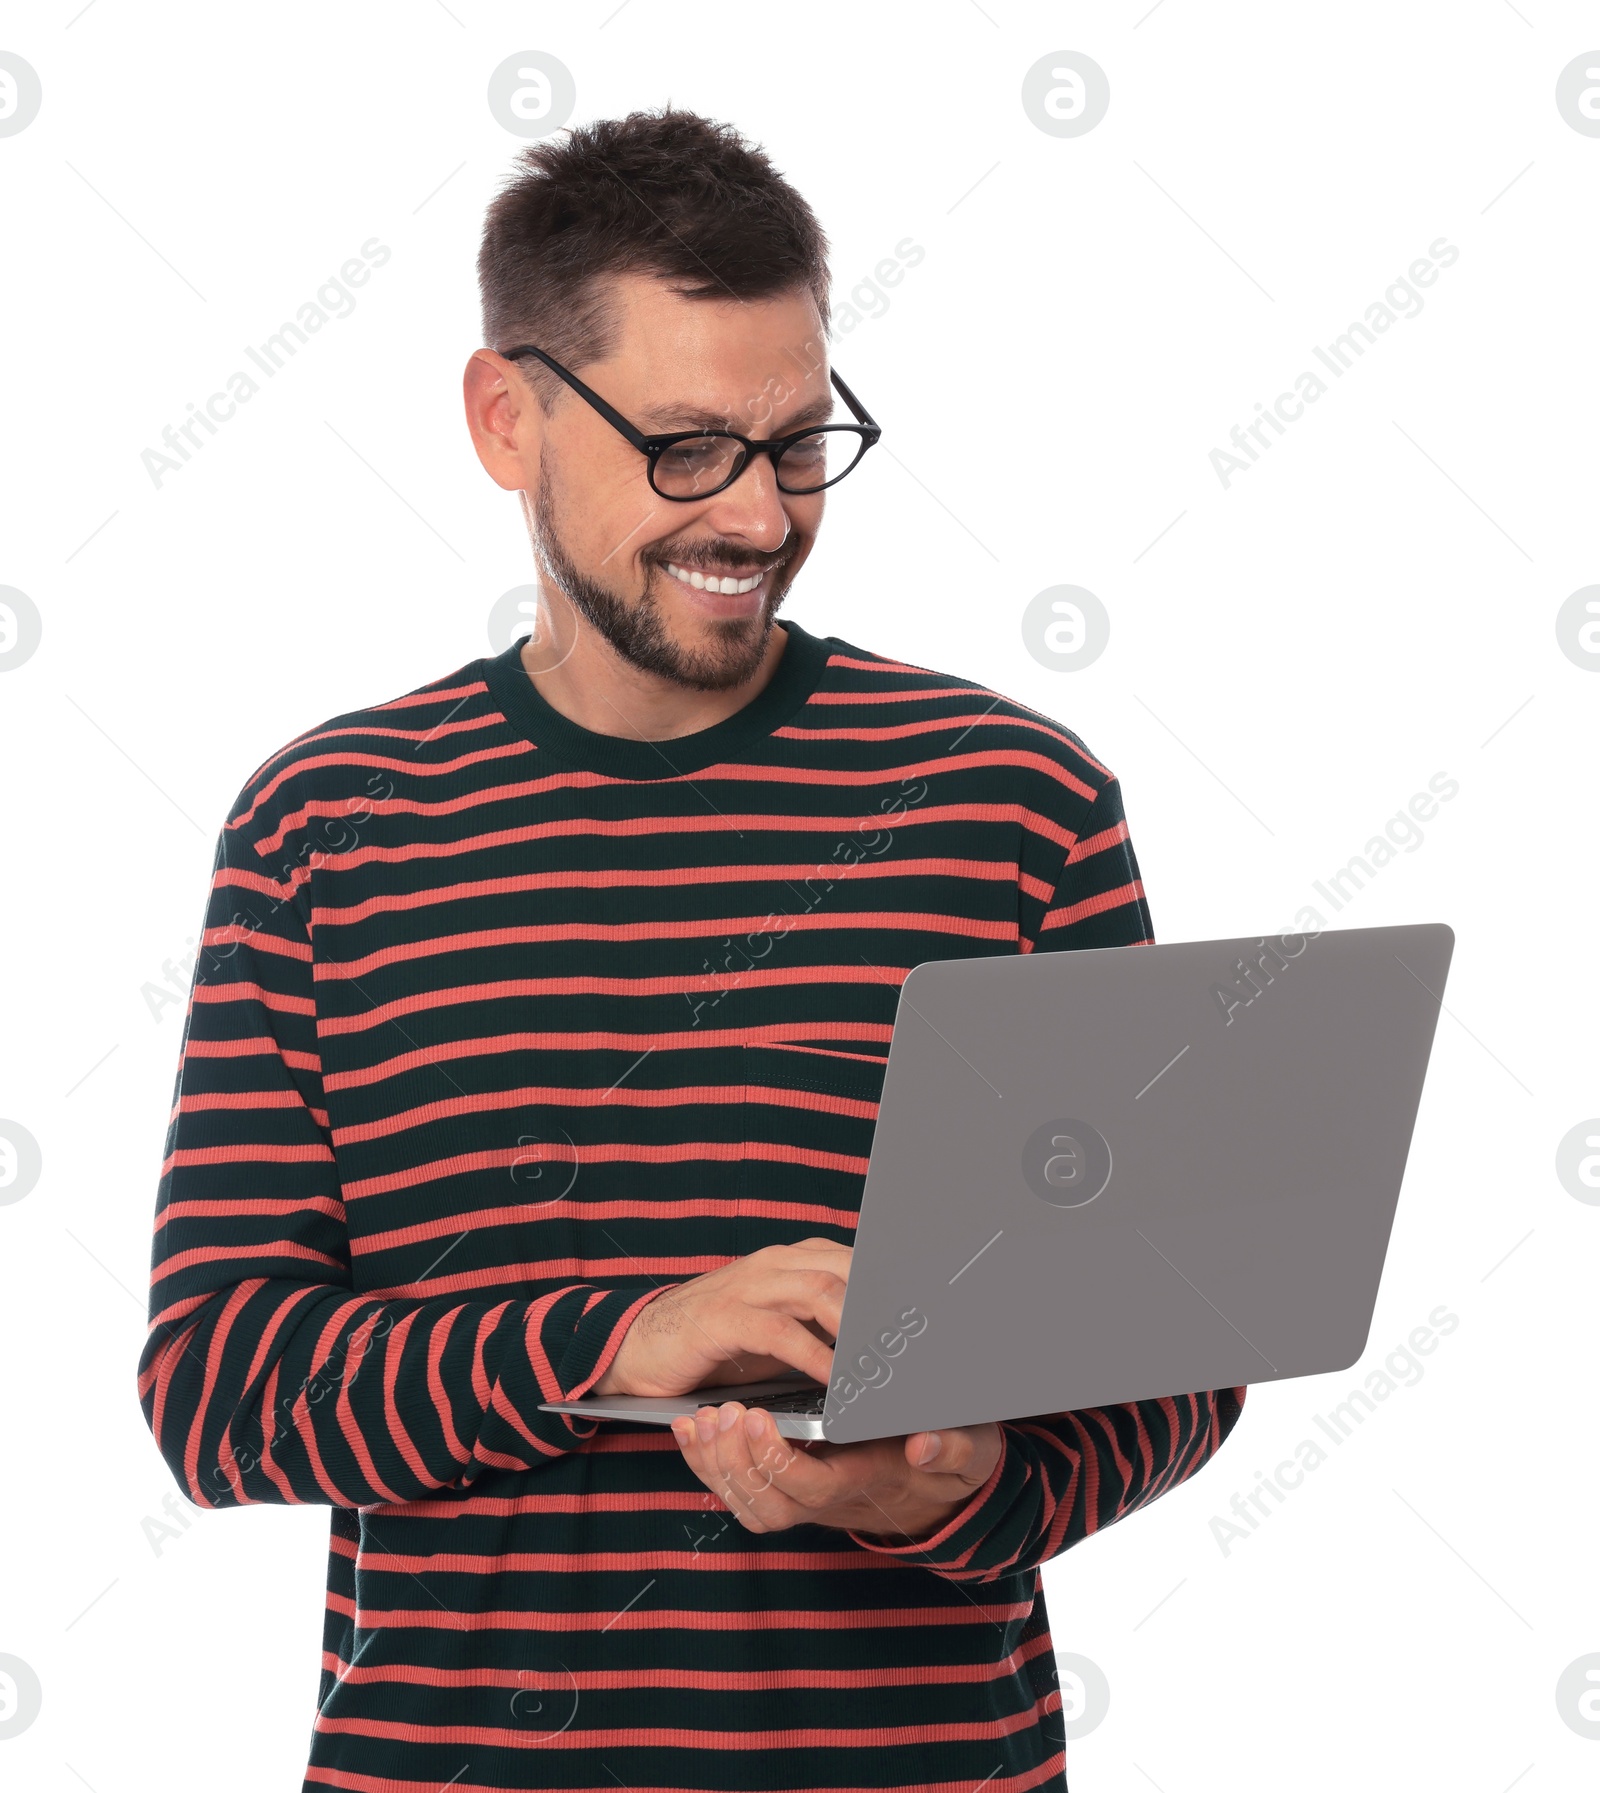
701 464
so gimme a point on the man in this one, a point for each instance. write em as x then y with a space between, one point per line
536 1047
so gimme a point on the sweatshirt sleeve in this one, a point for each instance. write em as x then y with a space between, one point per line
1062 1477
265 1376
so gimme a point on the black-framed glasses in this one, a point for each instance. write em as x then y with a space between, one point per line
689 464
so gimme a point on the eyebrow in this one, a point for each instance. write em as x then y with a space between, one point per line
665 418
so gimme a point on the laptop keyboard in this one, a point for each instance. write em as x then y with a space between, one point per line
806 1401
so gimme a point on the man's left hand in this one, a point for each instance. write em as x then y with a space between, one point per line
897 1489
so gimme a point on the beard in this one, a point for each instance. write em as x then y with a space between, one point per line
636 628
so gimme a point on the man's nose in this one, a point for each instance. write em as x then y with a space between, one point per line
752 507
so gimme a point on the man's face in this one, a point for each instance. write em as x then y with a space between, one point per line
619 551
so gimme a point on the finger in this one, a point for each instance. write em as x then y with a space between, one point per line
923 1449
805 1253
779 1335
762 1458
756 1343
696 1436
748 1481
816 1293
725 1451
775 1478
966 1452
772 1456
824 1474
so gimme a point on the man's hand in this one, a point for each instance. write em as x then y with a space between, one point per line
757 1318
898 1489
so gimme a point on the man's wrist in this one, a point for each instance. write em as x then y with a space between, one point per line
613 1380
917 1527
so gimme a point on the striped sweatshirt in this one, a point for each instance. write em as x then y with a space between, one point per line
501 1027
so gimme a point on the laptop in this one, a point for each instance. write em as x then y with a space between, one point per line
1109 1175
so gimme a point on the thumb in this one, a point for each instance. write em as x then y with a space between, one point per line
970 1452
924 1450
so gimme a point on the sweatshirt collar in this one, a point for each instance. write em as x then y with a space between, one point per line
625 756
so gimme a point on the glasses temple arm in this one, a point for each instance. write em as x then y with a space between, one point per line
851 400
612 416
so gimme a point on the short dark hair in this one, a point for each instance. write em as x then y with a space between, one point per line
667 193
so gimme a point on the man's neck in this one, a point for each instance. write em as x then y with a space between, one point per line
593 686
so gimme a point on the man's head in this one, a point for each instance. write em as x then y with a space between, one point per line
666 264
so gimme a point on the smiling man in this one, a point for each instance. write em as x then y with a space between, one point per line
535 1048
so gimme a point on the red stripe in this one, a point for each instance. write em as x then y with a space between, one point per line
1095 905
417 768
431 694
399 703
247 1154
234 1252
711 1680
622 1096
253 992
1087 845
256 1046
258 938
692 983
688 1208
596 1042
394 1425
915 921
611 1152
854 1618
356 1348
880 663
866 1058
900 731
282 1320
1000 814
231 876
235 1100
438 1338
1013 759
351 1782
682 1737
644 877
496 1276
300 1416
214 1361
166 1368
559 1562
868 698
259 1205
491 719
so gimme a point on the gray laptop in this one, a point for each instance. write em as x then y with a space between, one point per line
1105 1176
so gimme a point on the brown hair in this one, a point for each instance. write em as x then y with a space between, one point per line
667 193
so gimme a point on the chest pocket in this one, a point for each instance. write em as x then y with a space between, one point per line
809 1117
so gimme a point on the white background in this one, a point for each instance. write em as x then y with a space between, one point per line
1373 603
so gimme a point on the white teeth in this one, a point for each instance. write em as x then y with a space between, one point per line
701 583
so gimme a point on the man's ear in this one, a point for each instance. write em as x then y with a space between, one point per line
504 418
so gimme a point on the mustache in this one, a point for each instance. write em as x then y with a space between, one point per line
710 558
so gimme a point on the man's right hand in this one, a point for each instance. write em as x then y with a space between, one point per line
752 1320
